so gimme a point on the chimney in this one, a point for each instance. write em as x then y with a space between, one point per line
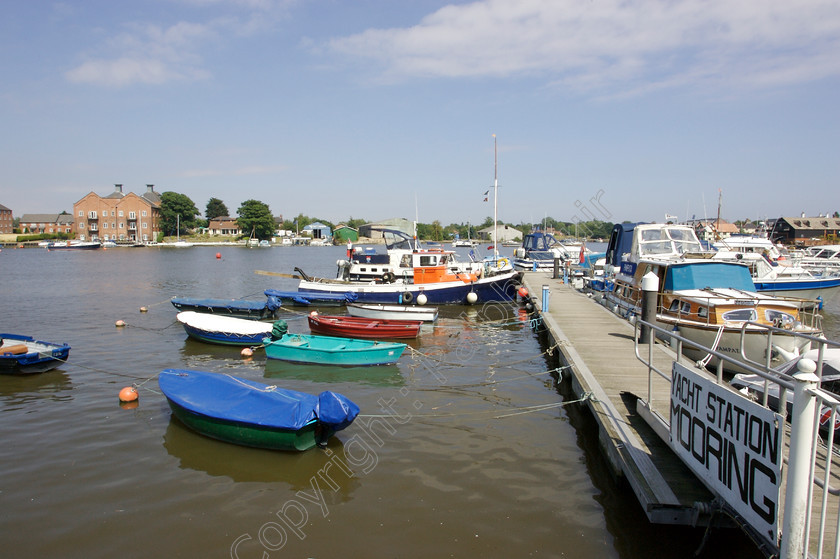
150 188
118 188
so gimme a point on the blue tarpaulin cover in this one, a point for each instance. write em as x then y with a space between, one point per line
231 398
700 275
306 298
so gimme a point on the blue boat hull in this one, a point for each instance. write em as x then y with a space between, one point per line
808 289
226 307
451 293
223 338
40 357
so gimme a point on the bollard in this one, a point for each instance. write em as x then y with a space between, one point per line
556 267
544 298
650 292
802 427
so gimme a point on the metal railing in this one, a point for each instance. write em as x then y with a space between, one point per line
810 524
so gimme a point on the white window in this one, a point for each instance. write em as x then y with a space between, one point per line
122 225
132 215
105 225
121 213
81 213
144 213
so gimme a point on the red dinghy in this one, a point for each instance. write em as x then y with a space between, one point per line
358 327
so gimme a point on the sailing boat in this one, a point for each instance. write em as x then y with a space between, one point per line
496 264
179 243
465 242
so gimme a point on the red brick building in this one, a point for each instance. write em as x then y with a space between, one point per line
6 220
35 224
118 216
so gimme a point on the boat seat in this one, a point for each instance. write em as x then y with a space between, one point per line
18 349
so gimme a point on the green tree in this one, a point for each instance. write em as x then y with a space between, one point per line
173 205
255 216
215 208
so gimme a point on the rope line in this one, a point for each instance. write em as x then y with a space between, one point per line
520 411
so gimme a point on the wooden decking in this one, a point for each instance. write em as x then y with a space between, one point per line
598 347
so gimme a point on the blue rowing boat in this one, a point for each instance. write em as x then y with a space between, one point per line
227 307
299 299
249 413
24 355
327 350
225 330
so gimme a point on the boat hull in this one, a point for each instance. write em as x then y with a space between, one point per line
493 289
224 330
23 355
806 289
252 435
366 328
327 350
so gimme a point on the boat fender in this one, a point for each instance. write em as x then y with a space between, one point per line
387 277
407 297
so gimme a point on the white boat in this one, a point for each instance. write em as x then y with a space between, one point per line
393 312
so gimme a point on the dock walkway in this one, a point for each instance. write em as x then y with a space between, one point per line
598 346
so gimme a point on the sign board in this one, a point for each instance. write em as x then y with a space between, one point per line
732 444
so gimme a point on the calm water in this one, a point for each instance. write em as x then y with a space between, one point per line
442 463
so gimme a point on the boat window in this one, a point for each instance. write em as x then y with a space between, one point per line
779 318
686 308
428 260
702 312
739 315
675 305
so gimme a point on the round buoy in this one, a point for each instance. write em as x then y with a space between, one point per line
313 313
144 309
128 394
422 299
523 292
218 255
246 352
472 297
119 323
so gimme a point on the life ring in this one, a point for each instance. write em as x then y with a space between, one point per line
407 297
502 263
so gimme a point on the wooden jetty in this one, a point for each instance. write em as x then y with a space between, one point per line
598 347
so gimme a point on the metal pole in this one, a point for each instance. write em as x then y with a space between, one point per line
544 298
556 267
802 429
650 292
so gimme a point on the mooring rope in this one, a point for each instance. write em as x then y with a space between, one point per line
519 411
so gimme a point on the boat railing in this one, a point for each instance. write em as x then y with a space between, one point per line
809 491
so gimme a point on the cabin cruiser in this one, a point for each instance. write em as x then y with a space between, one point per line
710 302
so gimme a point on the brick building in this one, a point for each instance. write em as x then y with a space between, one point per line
6 220
118 216
46 223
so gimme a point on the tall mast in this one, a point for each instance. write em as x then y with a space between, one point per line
495 199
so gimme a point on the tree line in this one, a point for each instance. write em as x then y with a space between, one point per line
254 218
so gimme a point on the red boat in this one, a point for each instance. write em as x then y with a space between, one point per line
358 327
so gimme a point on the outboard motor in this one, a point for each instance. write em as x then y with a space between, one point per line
279 330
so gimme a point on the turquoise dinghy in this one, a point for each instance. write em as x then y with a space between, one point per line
327 350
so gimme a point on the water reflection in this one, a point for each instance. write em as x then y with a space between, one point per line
244 464
19 390
380 375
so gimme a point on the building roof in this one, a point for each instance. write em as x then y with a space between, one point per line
819 222
4 208
46 218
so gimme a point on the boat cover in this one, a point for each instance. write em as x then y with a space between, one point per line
305 298
703 275
225 304
230 398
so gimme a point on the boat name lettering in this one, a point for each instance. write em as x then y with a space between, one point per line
730 442
745 302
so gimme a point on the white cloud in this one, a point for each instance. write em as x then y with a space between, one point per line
611 46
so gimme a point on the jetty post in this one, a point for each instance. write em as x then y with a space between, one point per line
650 292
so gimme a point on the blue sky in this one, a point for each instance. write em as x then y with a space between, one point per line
383 108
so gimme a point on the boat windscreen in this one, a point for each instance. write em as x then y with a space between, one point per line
700 275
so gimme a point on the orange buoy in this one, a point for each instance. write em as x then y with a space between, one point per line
246 352
218 255
119 323
523 292
313 313
128 394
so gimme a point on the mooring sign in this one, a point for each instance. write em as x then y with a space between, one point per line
731 443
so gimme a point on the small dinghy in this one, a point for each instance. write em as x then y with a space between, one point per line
249 413
328 350
20 355
225 330
358 327
393 312
227 307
